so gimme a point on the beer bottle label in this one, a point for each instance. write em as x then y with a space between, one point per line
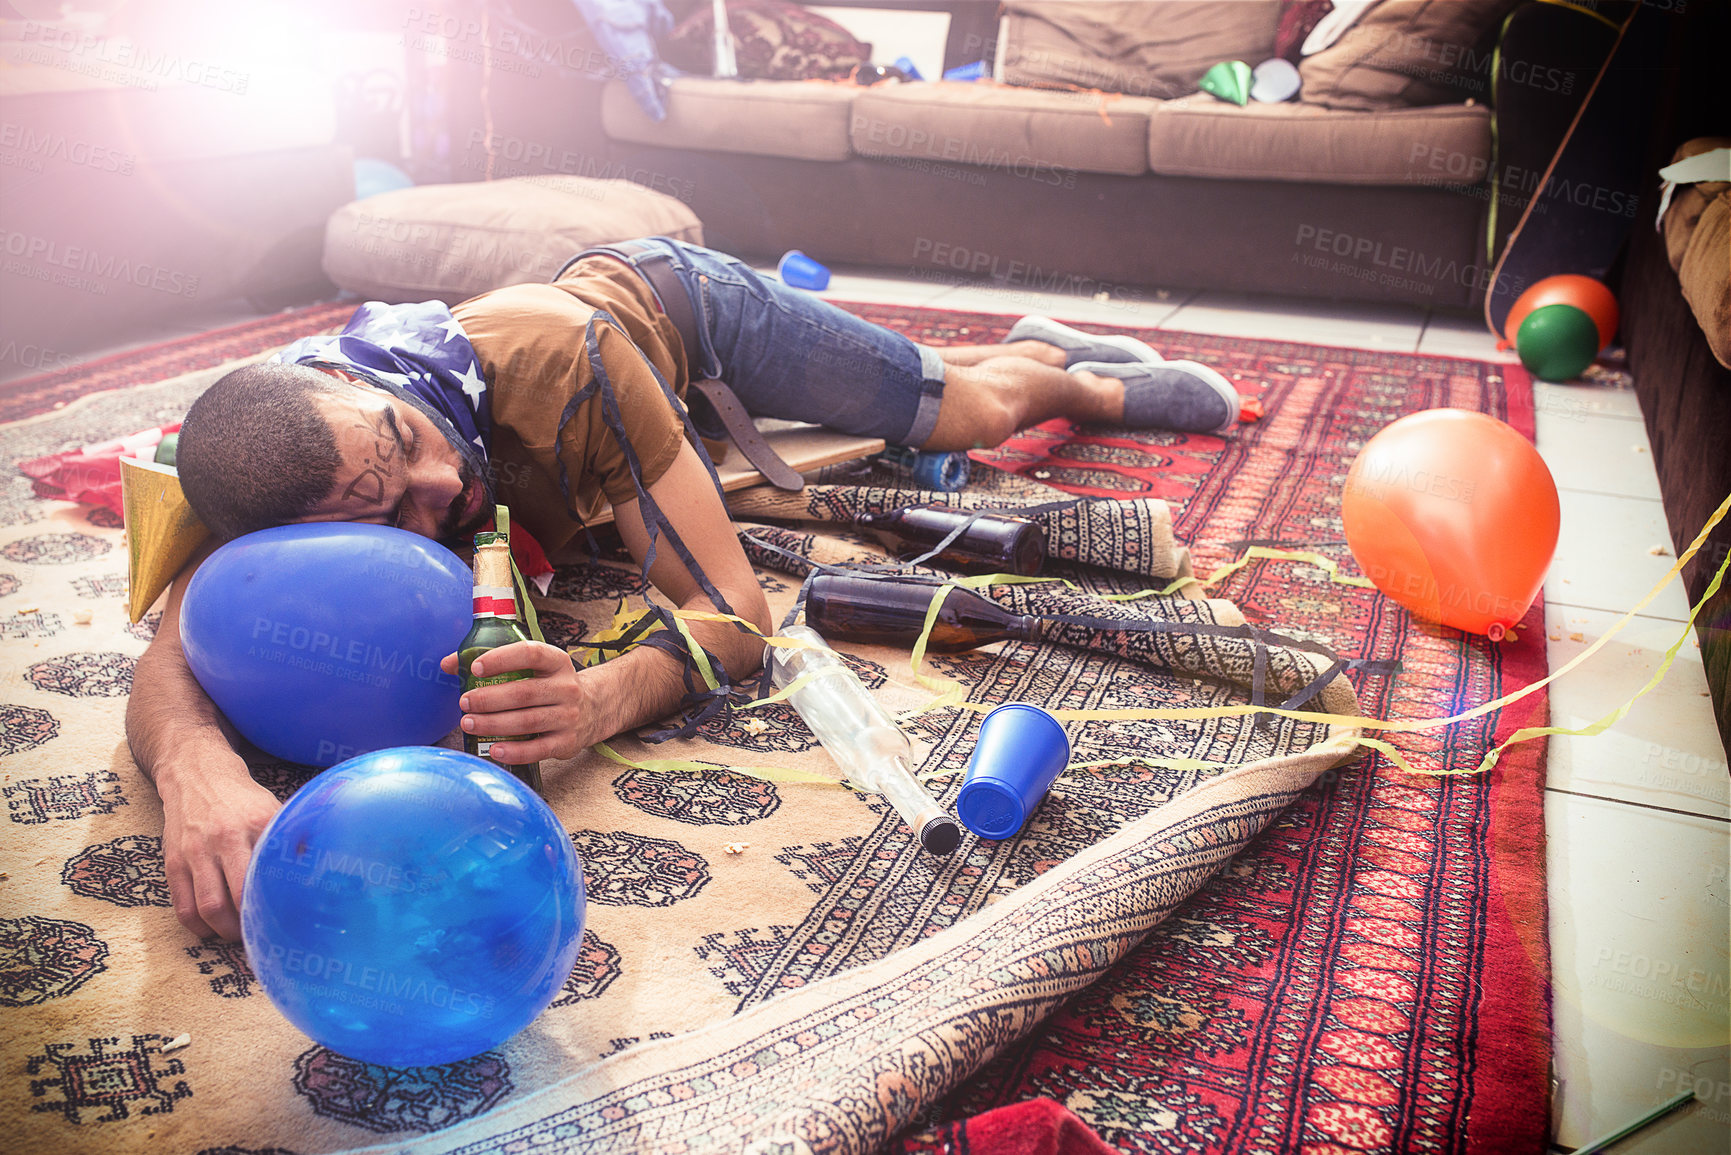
484 744
495 602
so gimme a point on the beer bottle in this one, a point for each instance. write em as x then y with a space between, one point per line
495 625
891 611
850 725
991 543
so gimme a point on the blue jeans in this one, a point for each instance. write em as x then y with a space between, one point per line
790 355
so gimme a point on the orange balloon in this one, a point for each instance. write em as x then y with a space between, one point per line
1584 293
1454 515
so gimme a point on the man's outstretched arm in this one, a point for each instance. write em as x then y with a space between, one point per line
571 709
212 810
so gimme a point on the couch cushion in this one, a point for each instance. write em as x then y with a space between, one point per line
1021 130
1407 52
449 242
802 119
1201 136
1156 48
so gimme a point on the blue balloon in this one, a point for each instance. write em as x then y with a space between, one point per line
413 906
373 177
322 641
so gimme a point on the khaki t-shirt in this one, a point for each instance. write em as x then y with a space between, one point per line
530 341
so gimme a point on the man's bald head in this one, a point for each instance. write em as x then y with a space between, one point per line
255 450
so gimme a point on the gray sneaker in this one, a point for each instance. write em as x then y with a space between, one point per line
1179 395
1080 346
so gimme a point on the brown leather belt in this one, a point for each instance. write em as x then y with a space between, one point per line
653 266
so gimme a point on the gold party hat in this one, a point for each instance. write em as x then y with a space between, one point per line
162 532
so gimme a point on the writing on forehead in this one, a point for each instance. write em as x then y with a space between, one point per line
380 437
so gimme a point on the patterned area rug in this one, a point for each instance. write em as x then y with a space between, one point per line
1372 972
1341 957
33 395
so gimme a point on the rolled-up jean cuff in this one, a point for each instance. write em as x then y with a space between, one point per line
931 397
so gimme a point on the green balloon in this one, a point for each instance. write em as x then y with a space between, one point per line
1557 342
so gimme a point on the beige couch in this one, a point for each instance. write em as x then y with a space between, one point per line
1094 165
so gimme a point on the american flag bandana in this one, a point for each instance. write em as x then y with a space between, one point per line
422 354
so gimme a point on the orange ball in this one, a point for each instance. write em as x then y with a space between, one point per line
1454 515
1584 293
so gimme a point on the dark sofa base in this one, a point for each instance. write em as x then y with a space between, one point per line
1064 231
1685 393
1685 398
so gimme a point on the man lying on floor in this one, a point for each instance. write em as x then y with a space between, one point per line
559 399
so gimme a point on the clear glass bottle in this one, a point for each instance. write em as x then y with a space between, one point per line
864 741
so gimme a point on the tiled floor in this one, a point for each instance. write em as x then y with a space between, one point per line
1636 817
1638 838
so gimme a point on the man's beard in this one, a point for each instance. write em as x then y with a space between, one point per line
472 464
452 527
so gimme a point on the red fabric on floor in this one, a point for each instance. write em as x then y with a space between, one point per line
1034 1127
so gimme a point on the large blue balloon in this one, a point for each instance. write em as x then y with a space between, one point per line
323 641
413 906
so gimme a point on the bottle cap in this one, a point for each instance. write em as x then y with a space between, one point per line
940 836
1020 751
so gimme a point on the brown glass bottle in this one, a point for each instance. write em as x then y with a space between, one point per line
891 611
991 543
496 625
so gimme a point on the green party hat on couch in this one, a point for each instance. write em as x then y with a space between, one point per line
1229 80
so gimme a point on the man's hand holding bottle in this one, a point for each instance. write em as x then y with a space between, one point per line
547 711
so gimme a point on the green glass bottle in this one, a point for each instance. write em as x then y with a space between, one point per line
496 624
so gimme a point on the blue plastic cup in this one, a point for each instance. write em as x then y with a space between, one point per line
1019 753
802 272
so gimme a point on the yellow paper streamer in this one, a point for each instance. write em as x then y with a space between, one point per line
1620 712
1169 763
623 621
953 697
698 654
681 766
1262 552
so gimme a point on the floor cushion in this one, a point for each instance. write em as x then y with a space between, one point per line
450 242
